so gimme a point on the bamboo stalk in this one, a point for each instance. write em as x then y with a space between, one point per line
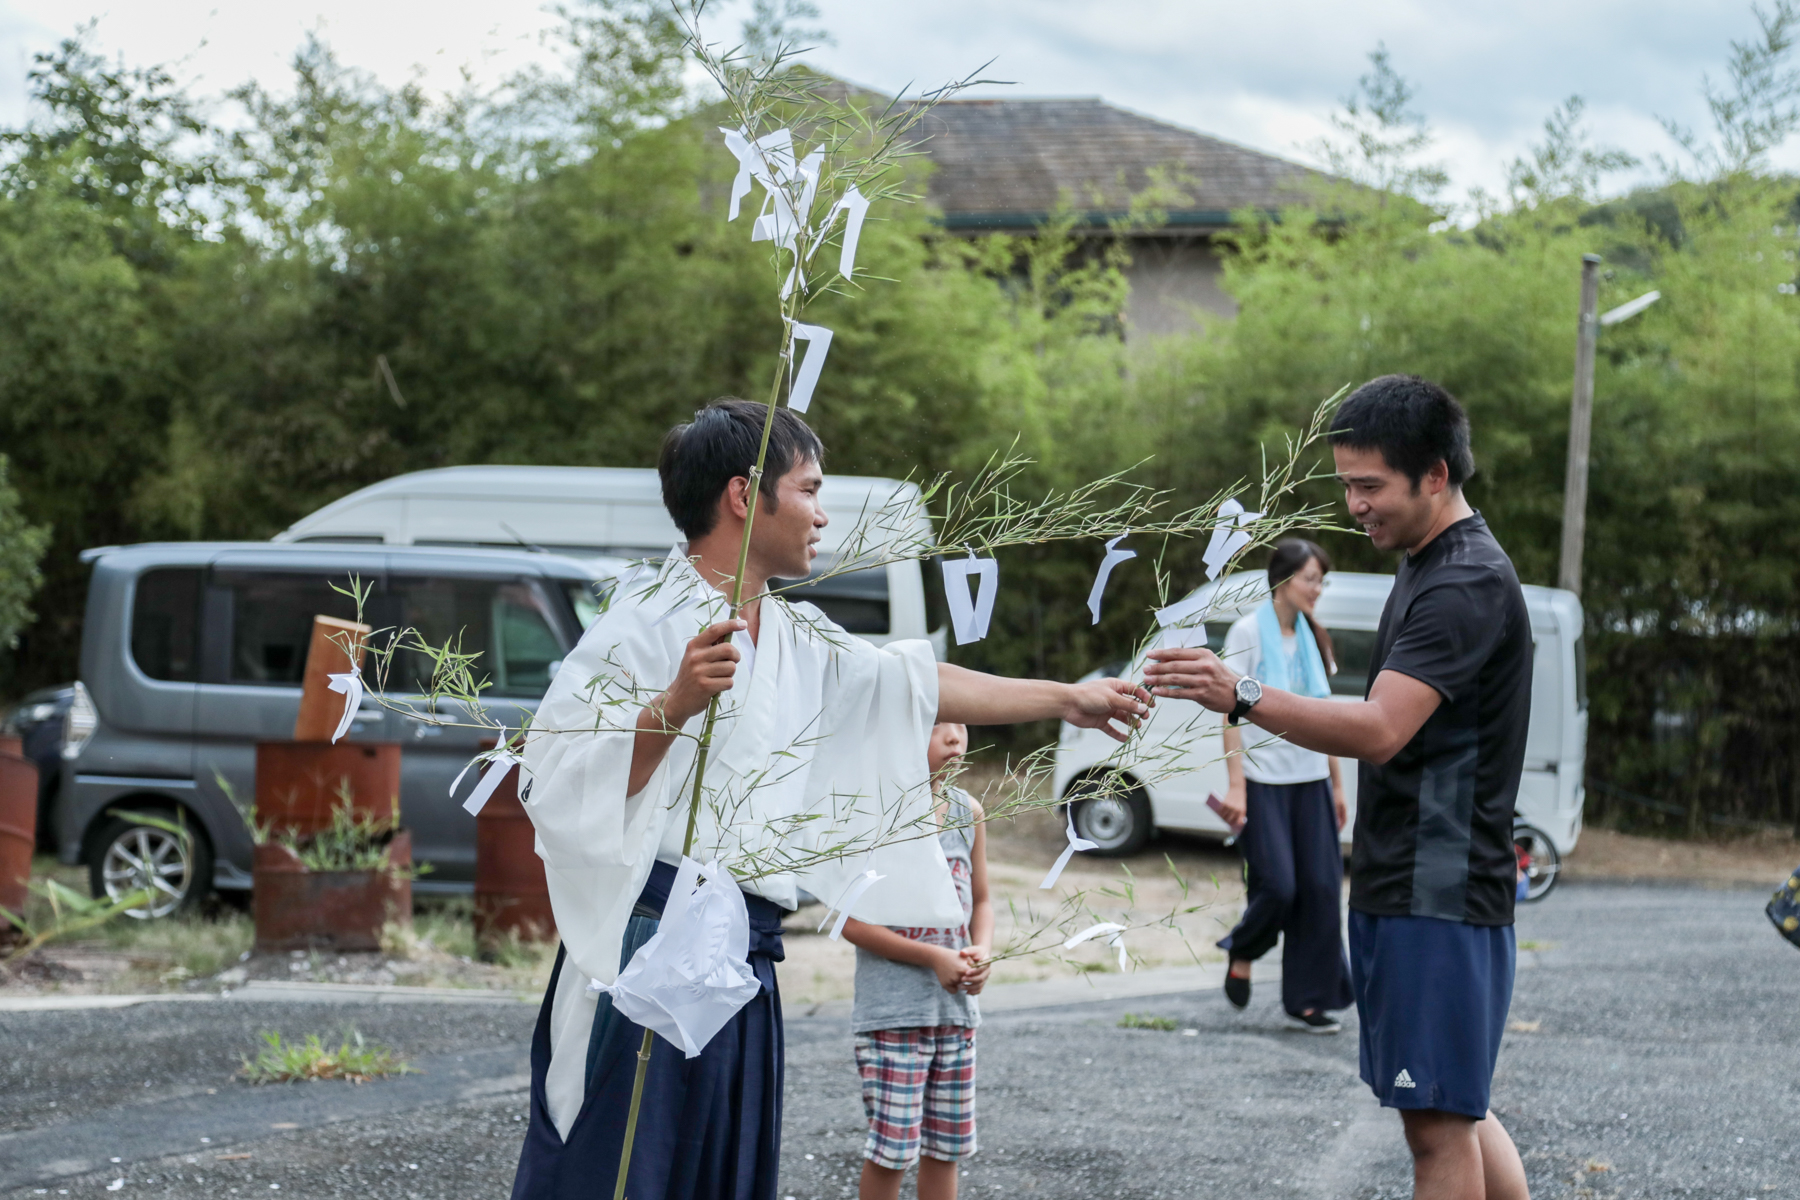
712 706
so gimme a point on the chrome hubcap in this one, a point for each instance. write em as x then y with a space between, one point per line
152 860
1106 820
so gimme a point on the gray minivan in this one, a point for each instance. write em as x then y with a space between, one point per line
192 652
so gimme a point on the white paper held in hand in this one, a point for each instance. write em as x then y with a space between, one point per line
350 685
694 973
499 763
1075 843
818 345
1114 935
853 891
969 617
1114 556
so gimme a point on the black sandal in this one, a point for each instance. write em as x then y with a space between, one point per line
1237 989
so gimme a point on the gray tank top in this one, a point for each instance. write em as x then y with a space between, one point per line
892 995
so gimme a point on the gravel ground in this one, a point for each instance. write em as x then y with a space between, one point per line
1653 1055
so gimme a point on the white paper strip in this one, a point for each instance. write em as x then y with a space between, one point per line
969 617
350 685
502 761
763 161
855 207
852 893
1114 934
1228 537
818 345
1075 843
1114 556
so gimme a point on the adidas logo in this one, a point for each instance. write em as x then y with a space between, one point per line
1403 1079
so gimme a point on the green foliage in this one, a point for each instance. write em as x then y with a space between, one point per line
354 1060
21 548
70 913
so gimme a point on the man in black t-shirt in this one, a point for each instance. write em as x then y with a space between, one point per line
1441 738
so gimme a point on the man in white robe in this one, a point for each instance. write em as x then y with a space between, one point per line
819 746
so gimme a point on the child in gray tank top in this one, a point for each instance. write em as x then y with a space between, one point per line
916 1010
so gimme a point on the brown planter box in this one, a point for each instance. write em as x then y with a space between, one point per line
511 895
18 829
297 783
298 909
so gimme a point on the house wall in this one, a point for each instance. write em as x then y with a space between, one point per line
1176 284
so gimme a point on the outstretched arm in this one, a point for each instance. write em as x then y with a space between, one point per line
1373 730
1113 706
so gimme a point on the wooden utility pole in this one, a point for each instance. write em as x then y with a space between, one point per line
1581 422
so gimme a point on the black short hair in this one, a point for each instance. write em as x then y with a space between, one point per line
1412 421
700 458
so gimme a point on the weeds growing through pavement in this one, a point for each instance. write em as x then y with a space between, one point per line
1160 1024
354 1061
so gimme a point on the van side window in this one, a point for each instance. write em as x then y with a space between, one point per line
272 621
856 600
1355 651
165 624
507 623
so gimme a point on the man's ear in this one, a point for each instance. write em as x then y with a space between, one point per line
736 498
1437 478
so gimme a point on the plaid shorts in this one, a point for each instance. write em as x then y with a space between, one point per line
918 1088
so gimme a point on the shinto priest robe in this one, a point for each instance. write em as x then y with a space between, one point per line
817 723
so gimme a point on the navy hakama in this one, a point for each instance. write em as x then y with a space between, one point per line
709 1128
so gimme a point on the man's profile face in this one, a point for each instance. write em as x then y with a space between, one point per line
787 533
1392 510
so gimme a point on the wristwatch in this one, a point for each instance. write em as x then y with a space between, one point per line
1248 692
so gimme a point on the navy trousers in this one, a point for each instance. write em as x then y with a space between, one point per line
1296 878
709 1128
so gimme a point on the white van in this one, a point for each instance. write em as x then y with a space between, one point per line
616 513
1180 761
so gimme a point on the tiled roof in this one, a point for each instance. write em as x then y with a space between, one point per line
1004 163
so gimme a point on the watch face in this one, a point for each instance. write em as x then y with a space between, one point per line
1248 690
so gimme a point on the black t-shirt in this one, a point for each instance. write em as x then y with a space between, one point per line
1434 823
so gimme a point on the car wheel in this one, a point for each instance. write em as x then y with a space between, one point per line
1538 860
1113 813
128 856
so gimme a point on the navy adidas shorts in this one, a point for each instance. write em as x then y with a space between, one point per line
1431 996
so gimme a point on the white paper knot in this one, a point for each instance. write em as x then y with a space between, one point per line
350 685
1114 556
969 617
1075 843
853 891
500 761
693 975
760 161
1114 934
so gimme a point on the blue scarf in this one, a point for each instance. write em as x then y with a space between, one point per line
1304 673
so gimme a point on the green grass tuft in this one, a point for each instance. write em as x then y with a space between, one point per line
353 1060
1134 1021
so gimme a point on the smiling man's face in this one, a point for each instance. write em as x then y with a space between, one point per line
1392 510
787 533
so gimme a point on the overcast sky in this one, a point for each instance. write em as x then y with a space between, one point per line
1266 75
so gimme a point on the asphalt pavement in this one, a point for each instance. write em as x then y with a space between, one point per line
1655 1052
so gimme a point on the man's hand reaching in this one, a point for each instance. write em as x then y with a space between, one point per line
1100 703
1191 673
